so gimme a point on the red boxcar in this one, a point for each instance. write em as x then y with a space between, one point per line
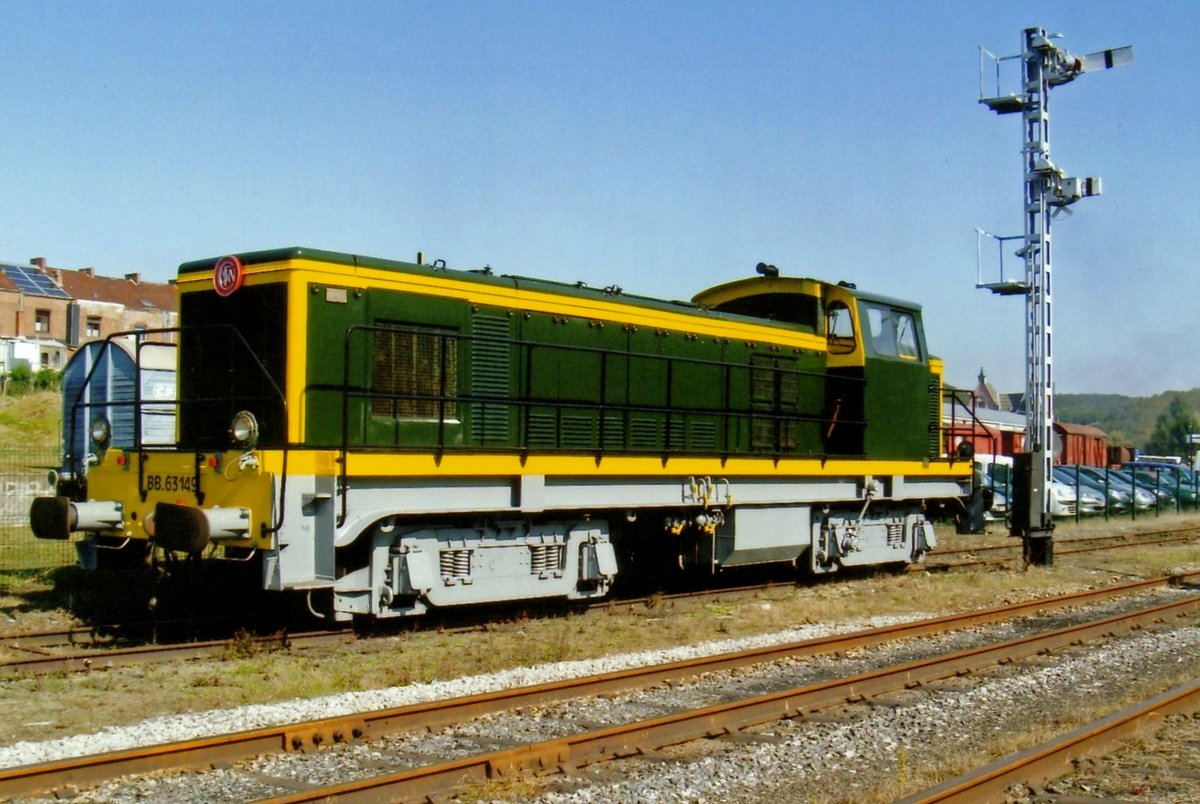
1082 444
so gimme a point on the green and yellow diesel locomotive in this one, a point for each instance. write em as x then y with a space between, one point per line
390 436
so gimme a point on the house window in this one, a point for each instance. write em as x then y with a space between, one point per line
41 321
93 326
45 360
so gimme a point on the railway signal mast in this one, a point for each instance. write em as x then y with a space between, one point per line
1047 191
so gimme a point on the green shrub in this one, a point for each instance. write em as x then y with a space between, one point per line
47 380
20 379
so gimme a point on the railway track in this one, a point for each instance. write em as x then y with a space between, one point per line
613 742
106 659
35 641
1035 766
93 648
999 554
369 725
87 651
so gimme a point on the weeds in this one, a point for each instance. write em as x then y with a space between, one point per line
242 646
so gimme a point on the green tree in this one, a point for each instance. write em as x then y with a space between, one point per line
1172 429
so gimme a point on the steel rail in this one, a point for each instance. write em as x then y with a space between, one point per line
714 721
1054 758
1006 559
33 779
109 658
1141 537
26 640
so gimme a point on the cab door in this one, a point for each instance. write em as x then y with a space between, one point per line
845 422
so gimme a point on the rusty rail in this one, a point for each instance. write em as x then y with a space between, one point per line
96 659
1054 758
1120 542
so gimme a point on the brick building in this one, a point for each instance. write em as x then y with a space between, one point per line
51 311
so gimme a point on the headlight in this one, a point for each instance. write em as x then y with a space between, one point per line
101 433
243 431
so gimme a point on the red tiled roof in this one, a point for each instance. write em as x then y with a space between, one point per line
135 295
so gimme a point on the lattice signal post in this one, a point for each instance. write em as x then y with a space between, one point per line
1047 190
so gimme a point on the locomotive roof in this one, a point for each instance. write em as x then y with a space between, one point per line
481 275
701 303
784 286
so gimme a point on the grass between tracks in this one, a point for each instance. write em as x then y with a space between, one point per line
41 707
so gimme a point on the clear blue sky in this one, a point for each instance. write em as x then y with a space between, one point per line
663 147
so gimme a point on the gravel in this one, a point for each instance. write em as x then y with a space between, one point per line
879 742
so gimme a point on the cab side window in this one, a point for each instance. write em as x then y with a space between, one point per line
893 333
839 329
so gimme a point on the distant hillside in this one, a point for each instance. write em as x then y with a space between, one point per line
1127 419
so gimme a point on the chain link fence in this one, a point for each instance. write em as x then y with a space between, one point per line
24 474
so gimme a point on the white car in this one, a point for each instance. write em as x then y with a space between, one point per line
998 469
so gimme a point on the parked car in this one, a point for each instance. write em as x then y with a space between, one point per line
1063 500
1157 465
1168 474
1118 498
1162 497
1170 486
1143 498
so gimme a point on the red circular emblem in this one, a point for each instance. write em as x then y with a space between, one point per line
228 275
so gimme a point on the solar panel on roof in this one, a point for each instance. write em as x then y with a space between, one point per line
34 282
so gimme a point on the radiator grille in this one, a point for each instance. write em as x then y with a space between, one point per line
408 369
645 433
490 377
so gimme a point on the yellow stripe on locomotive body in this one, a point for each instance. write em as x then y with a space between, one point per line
408 436
429 464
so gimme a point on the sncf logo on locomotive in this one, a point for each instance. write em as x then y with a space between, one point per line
228 274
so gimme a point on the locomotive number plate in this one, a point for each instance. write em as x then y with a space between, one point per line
170 483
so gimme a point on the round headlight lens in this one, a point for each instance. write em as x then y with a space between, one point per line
101 432
243 431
